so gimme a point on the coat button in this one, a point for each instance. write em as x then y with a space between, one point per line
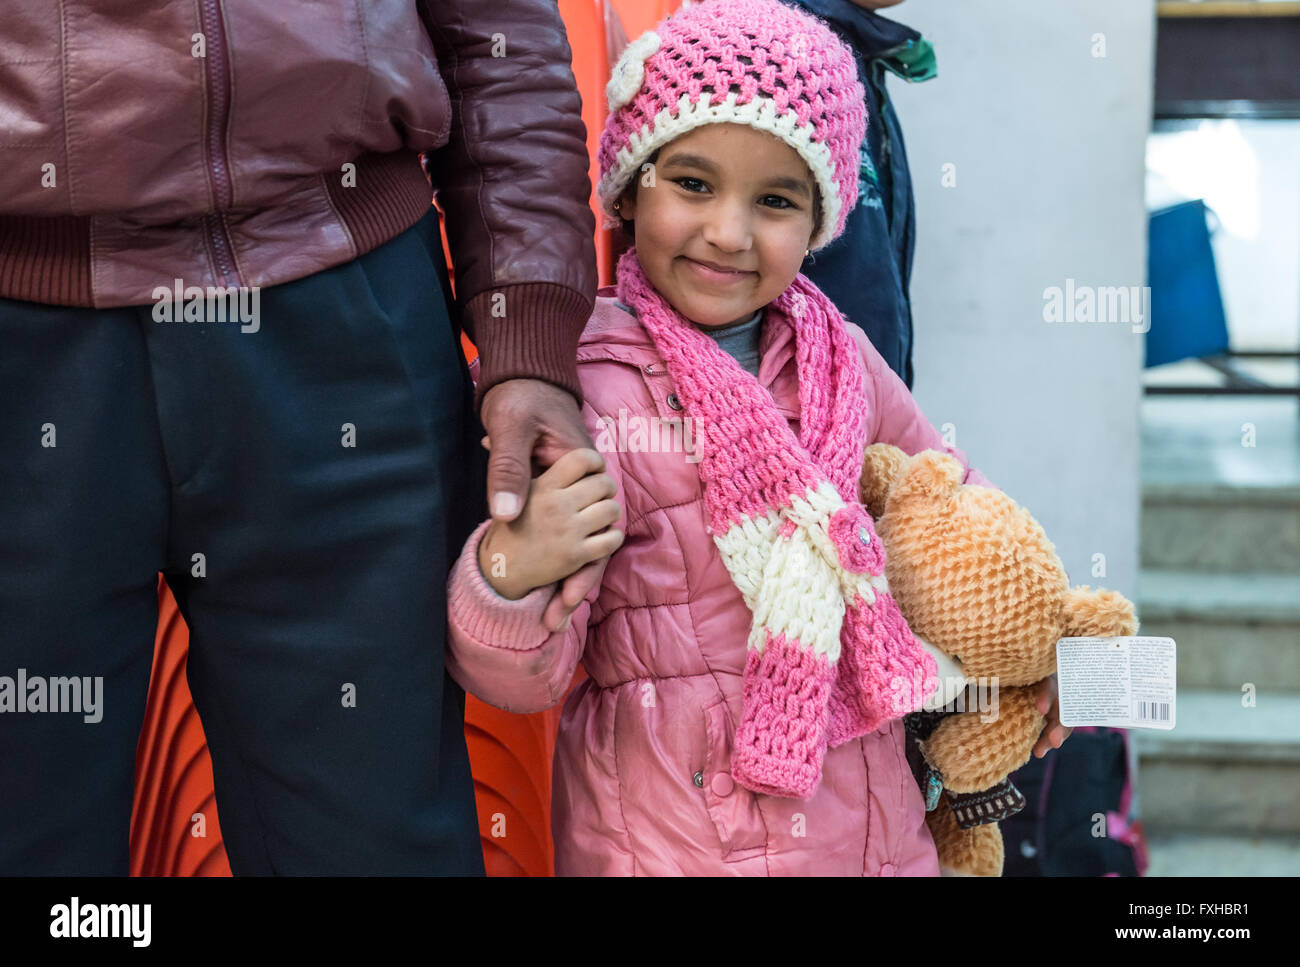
864 535
887 869
699 779
722 784
674 402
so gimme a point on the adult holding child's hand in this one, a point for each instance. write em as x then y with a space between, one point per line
532 421
566 524
303 479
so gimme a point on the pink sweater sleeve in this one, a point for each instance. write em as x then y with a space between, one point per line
896 417
497 649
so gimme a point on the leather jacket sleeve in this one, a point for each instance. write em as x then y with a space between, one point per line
513 182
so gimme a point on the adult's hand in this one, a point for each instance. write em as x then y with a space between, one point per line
531 422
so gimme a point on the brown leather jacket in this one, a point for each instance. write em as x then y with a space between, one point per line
251 142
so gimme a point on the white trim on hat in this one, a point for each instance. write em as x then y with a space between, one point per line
760 113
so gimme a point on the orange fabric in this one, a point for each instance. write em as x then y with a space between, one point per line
174 828
585 21
638 16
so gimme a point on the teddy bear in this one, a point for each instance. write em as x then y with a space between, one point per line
984 591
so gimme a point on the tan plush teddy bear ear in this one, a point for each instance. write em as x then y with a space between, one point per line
928 478
1098 614
883 465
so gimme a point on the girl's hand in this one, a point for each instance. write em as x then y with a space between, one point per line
566 524
1054 733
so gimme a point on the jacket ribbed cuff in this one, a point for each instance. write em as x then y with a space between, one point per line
486 617
527 331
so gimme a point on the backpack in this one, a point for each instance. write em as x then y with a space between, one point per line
1081 816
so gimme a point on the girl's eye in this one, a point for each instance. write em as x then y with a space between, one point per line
696 187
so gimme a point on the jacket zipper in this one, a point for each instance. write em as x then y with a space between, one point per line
886 145
216 69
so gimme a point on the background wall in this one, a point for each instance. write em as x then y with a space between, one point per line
1044 110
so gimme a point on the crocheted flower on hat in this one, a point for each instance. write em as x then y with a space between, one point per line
629 72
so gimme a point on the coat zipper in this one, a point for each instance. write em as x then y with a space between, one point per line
216 68
886 144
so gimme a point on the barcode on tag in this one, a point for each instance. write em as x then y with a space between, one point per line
1154 710
1121 683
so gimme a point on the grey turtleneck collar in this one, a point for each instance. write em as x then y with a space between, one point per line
739 340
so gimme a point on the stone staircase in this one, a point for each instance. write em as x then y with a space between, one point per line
1220 574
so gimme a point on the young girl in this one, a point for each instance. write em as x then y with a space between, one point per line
743 652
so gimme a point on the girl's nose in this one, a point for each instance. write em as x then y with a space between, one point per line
727 227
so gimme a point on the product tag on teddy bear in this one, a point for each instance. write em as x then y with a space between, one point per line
1120 683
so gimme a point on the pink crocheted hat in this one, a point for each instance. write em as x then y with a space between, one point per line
753 62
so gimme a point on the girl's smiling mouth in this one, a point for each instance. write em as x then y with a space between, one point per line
708 272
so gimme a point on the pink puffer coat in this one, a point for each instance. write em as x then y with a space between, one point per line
641 774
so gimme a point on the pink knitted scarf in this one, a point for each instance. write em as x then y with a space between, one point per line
828 654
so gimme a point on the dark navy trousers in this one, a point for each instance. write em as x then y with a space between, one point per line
305 488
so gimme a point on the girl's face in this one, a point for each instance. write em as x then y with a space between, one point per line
724 228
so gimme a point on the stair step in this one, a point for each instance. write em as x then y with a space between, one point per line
1231 628
1221 527
1226 767
1209 854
